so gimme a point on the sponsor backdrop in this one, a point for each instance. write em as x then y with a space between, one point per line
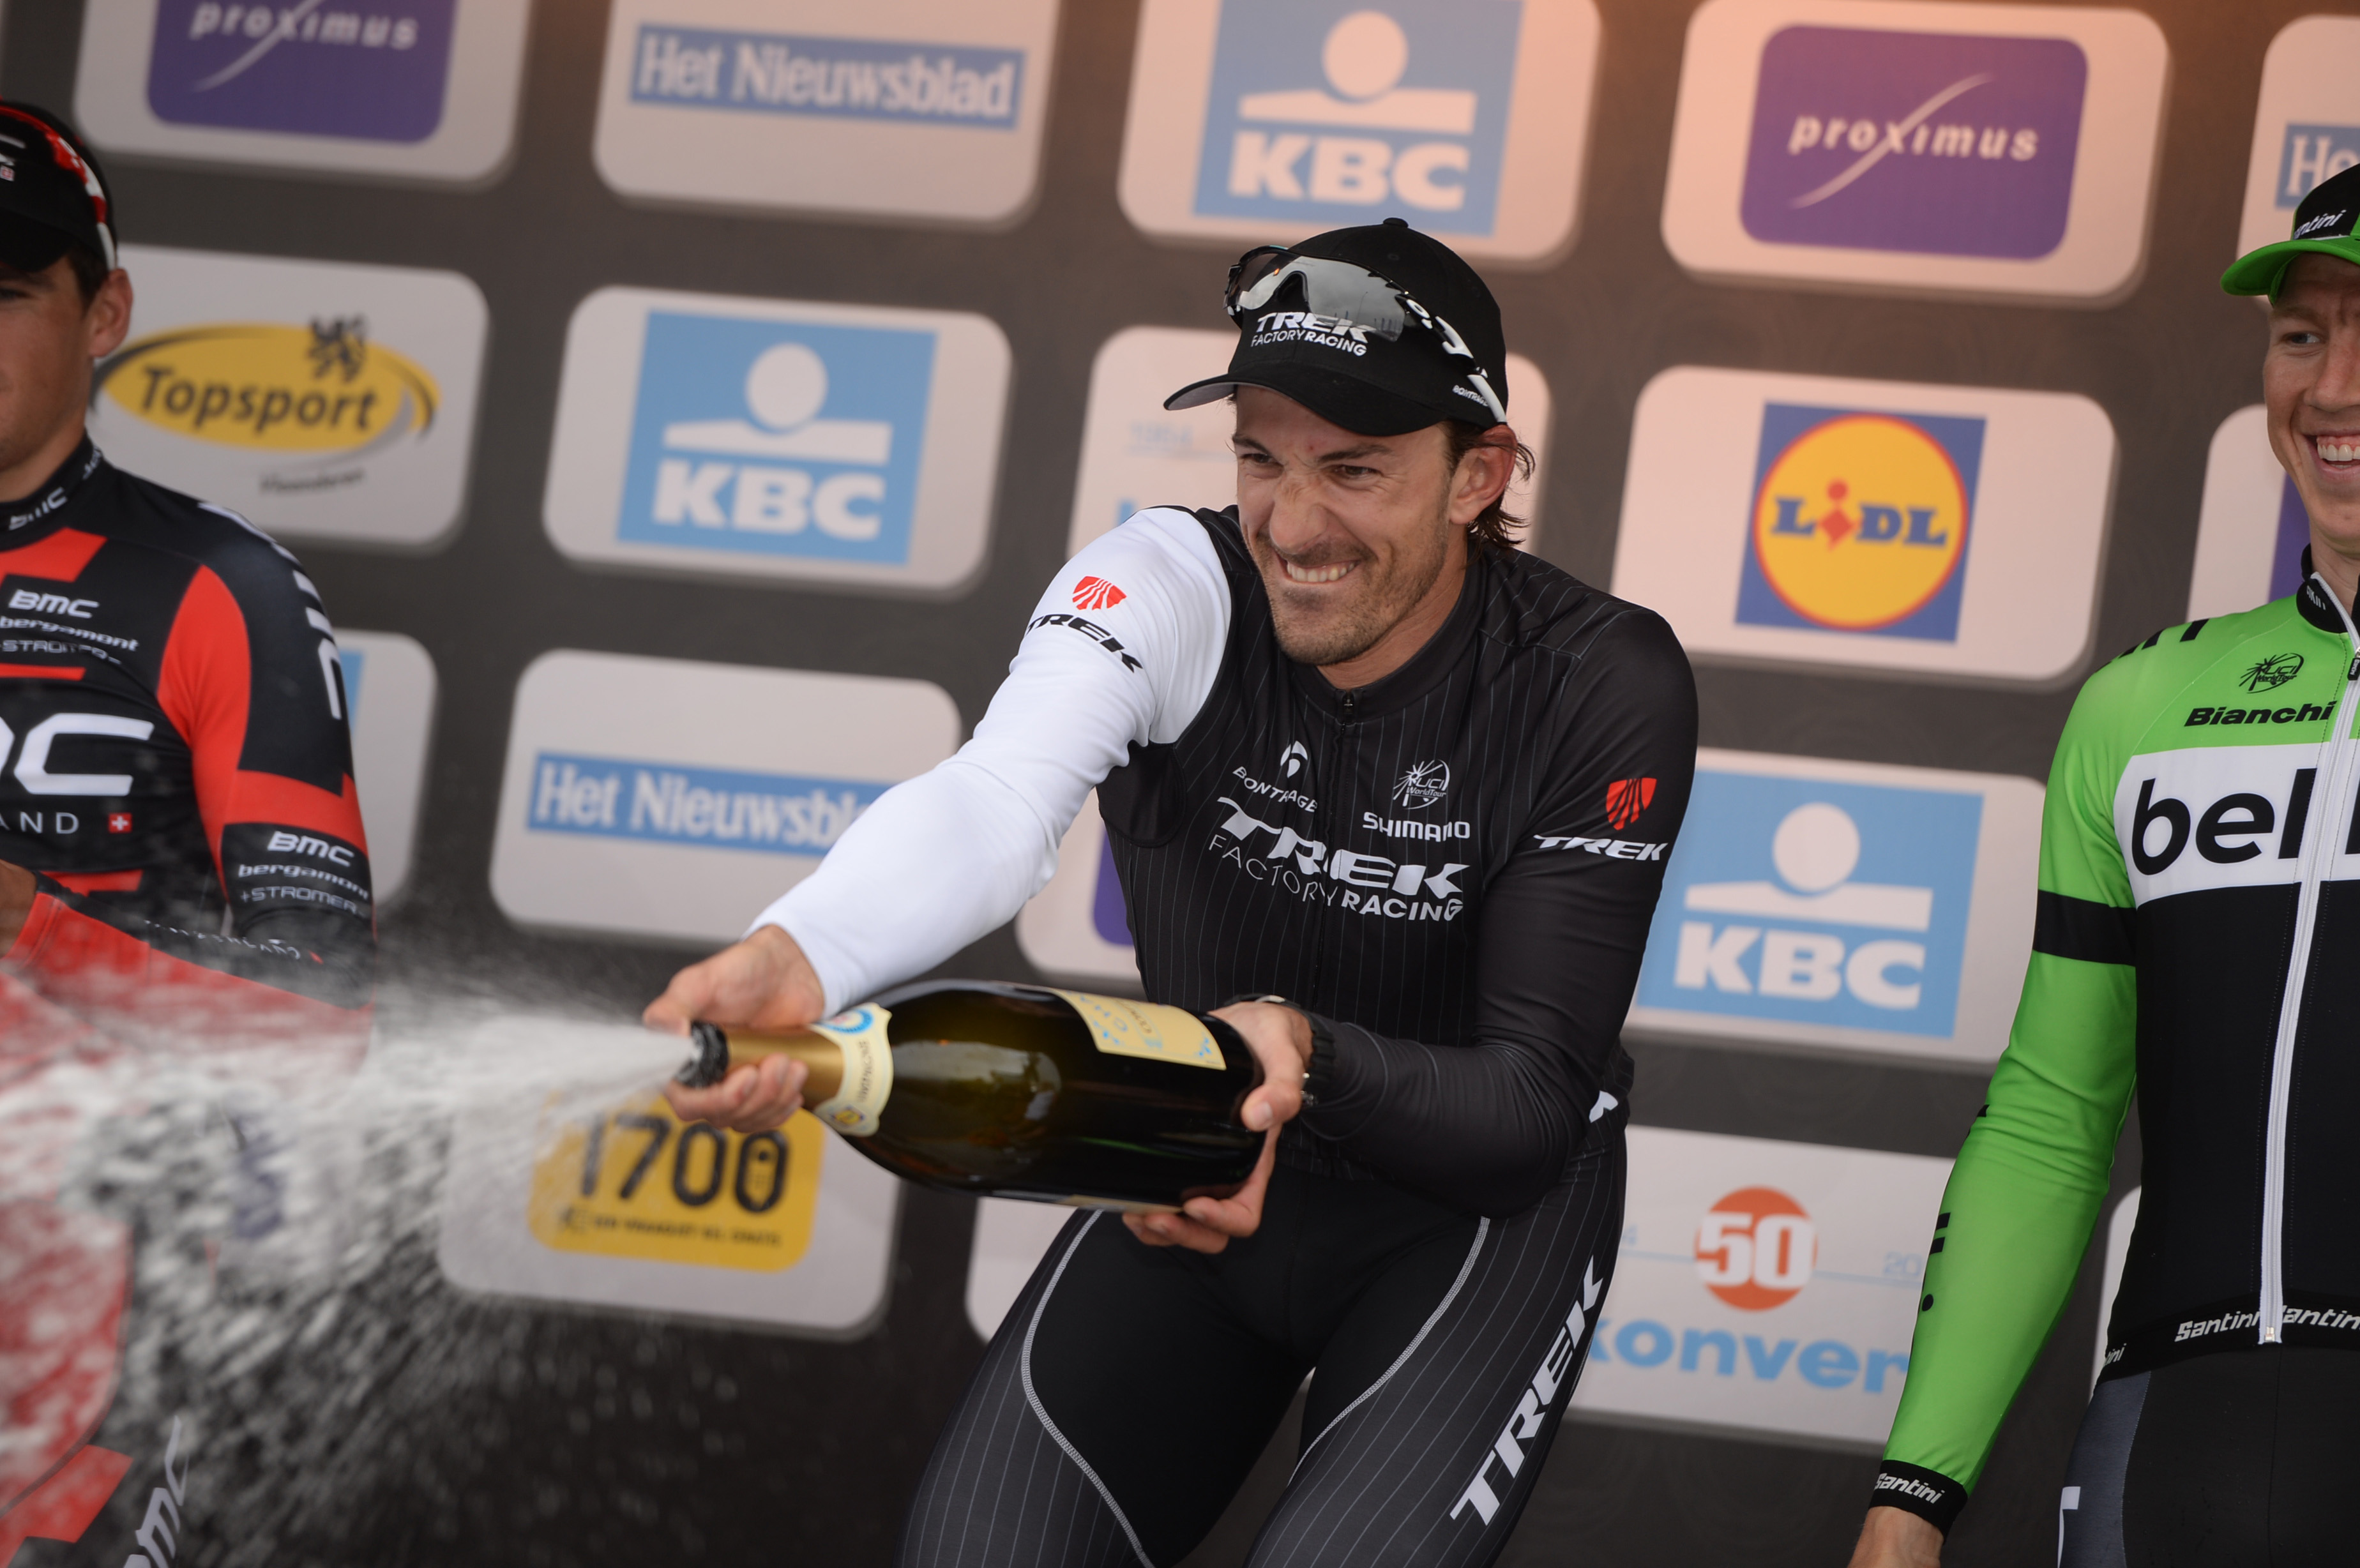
691 398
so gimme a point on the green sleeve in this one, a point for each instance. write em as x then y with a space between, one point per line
2026 1192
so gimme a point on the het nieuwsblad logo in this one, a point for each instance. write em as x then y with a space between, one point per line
1861 521
323 390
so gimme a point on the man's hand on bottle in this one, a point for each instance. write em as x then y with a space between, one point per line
764 983
1281 1039
1895 1537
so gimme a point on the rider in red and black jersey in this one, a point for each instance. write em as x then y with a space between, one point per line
182 866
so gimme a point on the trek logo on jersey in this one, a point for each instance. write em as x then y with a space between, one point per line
2310 155
1957 145
371 69
1327 111
1861 521
2220 816
1306 868
1626 800
1809 900
319 391
778 439
725 808
1756 1247
850 77
1556 1371
1096 594
1422 785
1090 629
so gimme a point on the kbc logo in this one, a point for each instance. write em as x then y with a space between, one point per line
1861 521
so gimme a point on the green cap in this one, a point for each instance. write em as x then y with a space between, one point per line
2323 223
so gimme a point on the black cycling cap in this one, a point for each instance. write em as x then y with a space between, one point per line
1381 330
2323 223
52 192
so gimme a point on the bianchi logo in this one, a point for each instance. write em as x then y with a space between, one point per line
1096 594
2276 671
1422 785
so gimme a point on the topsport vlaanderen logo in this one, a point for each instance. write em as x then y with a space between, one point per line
320 395
1861 521
1925 142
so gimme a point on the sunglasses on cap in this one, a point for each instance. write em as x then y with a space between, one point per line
1353 294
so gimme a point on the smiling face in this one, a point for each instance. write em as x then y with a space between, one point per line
48 338
1361 540
2311 386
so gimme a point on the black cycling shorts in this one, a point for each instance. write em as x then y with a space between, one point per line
2239 1460
1131 1389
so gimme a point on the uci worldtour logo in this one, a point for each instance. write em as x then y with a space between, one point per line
370 69
1861 521
1326 112
1422 785
1922 142
777 437
1810 900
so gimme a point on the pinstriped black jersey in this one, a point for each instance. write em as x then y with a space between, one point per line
1455 865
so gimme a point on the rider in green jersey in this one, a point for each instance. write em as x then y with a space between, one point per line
2198 917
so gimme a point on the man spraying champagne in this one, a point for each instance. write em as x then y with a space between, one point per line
1390 798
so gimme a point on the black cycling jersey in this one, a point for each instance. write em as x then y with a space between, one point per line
1454 868
1462 855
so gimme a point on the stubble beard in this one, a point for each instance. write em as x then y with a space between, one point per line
1333 633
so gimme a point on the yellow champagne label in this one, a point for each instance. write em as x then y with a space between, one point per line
867 1070
1146 1029
632 1180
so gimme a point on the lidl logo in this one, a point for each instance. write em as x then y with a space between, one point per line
780 440
1756 1247
2311 153
322 390
1812 900
1861 521
1321 110
1904 141
366 69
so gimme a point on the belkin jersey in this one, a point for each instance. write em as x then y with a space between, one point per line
174 757
2198 917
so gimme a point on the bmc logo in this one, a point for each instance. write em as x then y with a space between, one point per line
1755 1248
52 603
284 842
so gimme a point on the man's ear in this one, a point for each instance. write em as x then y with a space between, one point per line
107 318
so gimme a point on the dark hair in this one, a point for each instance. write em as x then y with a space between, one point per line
1493 523
89 270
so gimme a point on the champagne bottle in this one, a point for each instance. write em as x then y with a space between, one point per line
1023 1091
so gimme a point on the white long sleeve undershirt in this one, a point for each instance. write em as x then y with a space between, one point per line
944 858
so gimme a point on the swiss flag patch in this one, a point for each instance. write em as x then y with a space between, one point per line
118 822
1625 799
1096 594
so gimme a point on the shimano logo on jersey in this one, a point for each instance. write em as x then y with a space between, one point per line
1813 900
1402 827
52 603
1090 629
778 438
724 807
369 69
1274 794
1337 112
1555 1373
2217 816
775 74
1347 880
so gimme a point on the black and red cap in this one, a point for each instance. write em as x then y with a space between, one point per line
1381 330
52 191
